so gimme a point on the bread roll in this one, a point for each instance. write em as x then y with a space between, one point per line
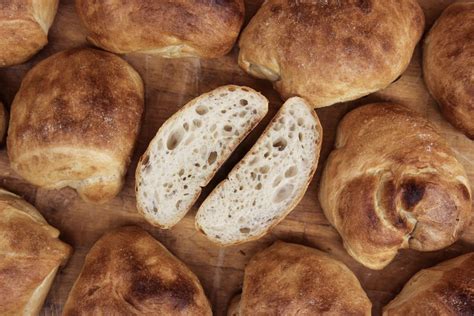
269 182
289 279
448 65
30 256
393 182
74 123
128 272
180 28
446 289
24 26
331 51
190 147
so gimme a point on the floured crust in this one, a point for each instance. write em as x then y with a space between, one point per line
289 279
167 28
448 65
331 51
74 123
128 272
24 26
445 289
392 182
30 255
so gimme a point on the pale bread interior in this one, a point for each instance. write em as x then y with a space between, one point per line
189 149
268 182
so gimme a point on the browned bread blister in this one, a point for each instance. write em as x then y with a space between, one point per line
448 65
393 182
179 28
128 272
331 51
290 279
30 256
446 289
24 26
74 122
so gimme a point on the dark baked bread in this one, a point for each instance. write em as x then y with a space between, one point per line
289 279
179 28
30 256
24 26
128 272
446 289
448 65
392 182
74 123
331 51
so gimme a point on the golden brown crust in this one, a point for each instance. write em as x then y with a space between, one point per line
448 65
446 289
128 272
392 182
168 28
74 122
289 279
331 51
29 251
24 26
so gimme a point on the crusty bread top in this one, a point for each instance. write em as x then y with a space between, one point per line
331 51
24 26
445 289
179 28
290 279
448 65
393 182
29 251
128 272
74 122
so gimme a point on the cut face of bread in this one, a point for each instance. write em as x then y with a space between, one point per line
268 182
189 149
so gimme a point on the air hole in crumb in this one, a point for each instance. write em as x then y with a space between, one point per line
185 186
300 136
253 175
223 111
202 110
280 143
181 172
283 193
300 122
291 172
178 203
213 128
245 230
277 181
227 128
242 113
197 123
266 154
212 158
258 186
292 127
264 169
174 139
232 89
253 161
245 89
244 102
186 127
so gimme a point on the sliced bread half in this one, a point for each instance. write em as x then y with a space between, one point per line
190 147
268 182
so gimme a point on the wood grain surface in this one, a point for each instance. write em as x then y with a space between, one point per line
169 85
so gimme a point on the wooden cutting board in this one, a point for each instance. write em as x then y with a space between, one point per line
169 85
